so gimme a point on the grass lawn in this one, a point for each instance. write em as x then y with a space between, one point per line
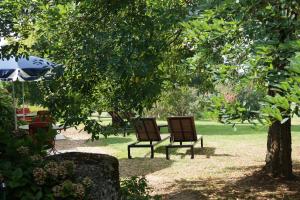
226 168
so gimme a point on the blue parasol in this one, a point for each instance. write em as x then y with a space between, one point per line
24 69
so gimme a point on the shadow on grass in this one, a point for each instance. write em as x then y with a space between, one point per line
257 185
142 166
207 151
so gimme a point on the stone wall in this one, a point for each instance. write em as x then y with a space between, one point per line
102 169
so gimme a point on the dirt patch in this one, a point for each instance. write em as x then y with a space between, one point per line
256 185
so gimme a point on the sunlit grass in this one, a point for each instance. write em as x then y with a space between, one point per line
216 135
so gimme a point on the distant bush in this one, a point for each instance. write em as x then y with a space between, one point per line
180 101
243 105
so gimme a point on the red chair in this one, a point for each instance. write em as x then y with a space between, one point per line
36 127
43 116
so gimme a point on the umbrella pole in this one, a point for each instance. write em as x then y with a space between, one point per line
14 100
23 101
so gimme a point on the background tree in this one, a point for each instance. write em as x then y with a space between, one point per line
250 43
16 20
112 53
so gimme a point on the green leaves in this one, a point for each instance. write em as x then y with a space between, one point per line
17 179
16 18
286 102
278 101
272 112
295 64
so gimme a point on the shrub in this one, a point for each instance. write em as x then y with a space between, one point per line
7 111
28 176
25 172
136 188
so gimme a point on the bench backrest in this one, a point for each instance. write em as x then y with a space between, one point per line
146 129
182 129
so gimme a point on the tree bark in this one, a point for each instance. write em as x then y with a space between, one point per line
279 154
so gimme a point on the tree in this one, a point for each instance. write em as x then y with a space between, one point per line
112 54
251 43
16 19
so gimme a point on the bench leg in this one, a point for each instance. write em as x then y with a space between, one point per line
129 156
201 142
167 153
192 152
152 152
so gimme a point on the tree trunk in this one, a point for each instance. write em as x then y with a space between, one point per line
279 145
279 158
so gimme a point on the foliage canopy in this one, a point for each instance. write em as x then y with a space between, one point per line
113 53
250 44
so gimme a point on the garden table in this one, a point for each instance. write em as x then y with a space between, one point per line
54 127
